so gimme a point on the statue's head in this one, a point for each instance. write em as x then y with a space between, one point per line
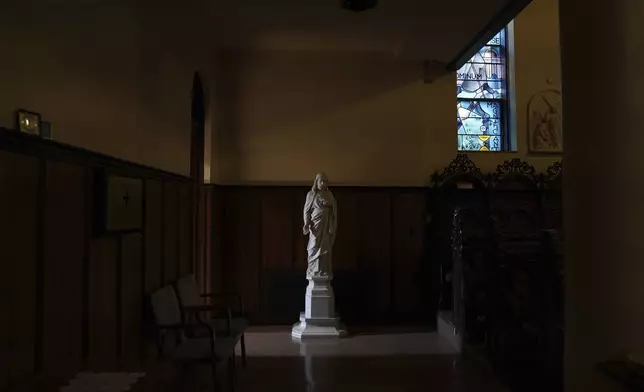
321 182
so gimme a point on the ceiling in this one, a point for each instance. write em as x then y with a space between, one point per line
409 29
440 32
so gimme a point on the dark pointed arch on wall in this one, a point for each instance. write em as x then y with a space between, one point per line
197 141
199 202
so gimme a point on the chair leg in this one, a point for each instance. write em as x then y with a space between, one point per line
243 350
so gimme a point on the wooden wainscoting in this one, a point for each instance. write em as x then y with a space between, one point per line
259 250
68 296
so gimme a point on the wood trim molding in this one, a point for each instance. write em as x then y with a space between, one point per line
18 142
308 186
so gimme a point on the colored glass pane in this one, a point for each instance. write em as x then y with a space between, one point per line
483 76
479 143
497 39
479 117
481 98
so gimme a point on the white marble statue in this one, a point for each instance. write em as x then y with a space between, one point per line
320 223
319 318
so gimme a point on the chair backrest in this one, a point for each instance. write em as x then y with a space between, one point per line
188 291
165 306
166 312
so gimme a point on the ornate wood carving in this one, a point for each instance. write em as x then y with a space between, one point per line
514 169
555 170
502 267
553 176
551 196
461 165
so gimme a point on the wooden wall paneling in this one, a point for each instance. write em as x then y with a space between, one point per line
185 231
91 198
18 236
280 294
276 228
408 224
300 240
153 237
5 329
63 252
347 278
206 240
244 247
345 250
153 234
21 143
131 296
201 264
217 237
374 250
103 313
226 233
291 284
6 271
170 232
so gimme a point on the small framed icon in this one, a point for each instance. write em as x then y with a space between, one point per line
28 122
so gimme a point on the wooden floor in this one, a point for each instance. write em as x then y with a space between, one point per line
372 360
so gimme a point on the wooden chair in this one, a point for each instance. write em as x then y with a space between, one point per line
227 323
188 343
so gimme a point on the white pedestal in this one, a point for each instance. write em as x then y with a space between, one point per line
319 319
447 329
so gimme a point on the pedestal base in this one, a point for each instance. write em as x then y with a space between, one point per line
447 329
319 319
318 328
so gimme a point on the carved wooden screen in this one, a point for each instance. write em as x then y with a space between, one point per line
459 186
514 198
551 197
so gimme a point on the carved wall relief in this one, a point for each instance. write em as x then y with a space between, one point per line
545 133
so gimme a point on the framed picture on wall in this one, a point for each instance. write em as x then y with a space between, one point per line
119 203
28 122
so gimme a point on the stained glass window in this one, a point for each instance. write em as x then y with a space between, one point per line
481 93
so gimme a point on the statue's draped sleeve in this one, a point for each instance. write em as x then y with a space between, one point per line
307 208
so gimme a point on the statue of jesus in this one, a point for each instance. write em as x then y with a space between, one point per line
320 223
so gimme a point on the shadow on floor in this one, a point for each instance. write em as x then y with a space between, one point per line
354 330
338 374
362 331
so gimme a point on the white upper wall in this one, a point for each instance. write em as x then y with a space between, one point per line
363 118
